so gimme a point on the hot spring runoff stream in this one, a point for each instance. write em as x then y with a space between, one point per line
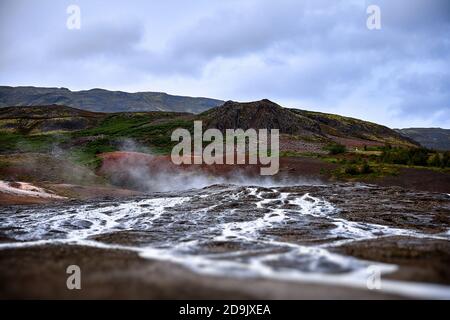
285 233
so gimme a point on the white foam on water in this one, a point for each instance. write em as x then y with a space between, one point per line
313 206
84 221
258 254
350 229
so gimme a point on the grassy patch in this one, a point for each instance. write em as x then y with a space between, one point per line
4 164
331 159
87 154
15 142
368 152
108 136
290 153
364 171
140 127
335 148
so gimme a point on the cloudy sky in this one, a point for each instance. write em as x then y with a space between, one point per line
317 54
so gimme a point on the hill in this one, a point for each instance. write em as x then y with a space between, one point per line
101 100
262 114
29 129
307 125
64 147
44 119
432 138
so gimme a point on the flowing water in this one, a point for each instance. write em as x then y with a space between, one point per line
284 233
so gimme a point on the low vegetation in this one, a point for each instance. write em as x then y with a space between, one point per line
335 148
151 131
415 157
380 161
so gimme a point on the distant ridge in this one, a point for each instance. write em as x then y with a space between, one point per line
432 138
49 109
101 100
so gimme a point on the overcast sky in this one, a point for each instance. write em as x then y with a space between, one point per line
316 55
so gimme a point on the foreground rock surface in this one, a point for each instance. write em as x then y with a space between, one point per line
40 272
232 241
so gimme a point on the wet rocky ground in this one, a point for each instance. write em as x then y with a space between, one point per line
227 241
422 260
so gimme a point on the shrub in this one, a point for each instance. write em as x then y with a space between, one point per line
445 161
395 156
335 148
356 169
435 160
365 168
351 170
418 157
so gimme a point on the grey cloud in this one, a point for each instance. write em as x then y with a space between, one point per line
236 33
101 39
315 51
418 15
423 95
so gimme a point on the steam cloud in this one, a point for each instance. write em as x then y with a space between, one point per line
153 173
